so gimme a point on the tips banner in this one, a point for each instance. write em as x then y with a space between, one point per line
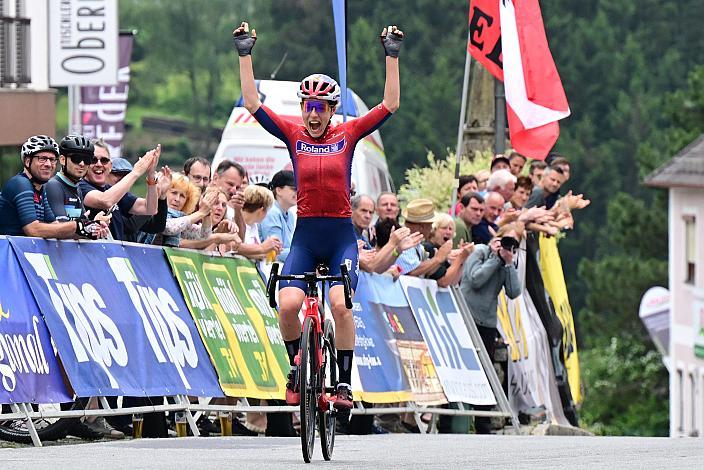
117 318
29 372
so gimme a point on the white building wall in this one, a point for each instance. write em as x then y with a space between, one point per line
687 375
37 12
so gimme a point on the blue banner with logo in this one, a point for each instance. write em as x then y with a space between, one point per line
376 356
451 347
117 318
29 372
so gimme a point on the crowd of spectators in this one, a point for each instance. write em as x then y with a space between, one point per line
74 189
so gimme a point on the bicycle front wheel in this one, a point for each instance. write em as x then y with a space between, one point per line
308 389
326 418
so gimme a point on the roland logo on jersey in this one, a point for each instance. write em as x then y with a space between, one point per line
320 149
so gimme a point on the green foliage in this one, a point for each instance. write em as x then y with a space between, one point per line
437 180
626 389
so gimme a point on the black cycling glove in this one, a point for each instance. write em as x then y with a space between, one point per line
391 43
87 228
244 42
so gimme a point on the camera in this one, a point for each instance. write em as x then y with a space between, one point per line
509 244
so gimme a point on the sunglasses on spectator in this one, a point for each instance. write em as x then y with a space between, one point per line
319 106
77 159
102 160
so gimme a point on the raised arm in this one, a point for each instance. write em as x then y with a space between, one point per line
106 199
391 38
244 42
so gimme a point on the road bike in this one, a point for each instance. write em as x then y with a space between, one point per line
317 371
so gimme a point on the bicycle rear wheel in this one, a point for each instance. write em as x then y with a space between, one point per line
47 429
326 418
308 389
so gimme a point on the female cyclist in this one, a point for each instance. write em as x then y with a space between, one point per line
321 154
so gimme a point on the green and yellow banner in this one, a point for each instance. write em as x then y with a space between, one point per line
554 281
227 300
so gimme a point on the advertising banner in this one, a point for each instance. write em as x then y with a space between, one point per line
82 42
521 375
28 369
451 348
227 300
554 280
381 373
413 352
117 318
103 108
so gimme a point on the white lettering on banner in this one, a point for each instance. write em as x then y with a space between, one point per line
22 354
157 311
260 301
365 360
226 297
93 335
196 294
245 333
440 337
274 334
212 328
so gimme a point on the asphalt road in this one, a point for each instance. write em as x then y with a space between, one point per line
369 452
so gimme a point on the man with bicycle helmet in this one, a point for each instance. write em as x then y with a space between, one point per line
76 153
24 209
321 153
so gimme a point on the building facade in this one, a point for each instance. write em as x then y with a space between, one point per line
683 176
27 104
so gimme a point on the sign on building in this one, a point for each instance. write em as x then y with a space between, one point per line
83 42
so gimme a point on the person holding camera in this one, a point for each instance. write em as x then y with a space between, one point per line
490 268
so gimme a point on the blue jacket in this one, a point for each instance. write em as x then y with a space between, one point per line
281 225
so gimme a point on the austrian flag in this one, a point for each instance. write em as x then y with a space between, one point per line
509 40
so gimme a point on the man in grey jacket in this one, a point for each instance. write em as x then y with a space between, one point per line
489 269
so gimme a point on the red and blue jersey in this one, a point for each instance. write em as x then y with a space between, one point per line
322 166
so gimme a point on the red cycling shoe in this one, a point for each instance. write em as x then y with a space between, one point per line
343 397
293 394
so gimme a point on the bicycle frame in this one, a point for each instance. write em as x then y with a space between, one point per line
317 346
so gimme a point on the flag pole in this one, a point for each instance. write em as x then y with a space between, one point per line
499 117
460 127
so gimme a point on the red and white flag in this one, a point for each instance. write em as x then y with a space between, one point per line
509 40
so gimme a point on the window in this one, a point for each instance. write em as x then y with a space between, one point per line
690 235
14 44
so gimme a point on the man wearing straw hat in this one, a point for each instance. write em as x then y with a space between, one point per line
419 216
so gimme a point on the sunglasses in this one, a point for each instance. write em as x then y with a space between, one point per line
102 160
77 159
319 106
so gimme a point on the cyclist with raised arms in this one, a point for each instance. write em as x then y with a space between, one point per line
321 154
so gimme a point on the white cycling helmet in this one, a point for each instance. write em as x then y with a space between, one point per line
38 143
320 87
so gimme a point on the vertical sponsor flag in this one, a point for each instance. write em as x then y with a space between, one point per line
554 280
103 108
29 372
509 40
339 14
